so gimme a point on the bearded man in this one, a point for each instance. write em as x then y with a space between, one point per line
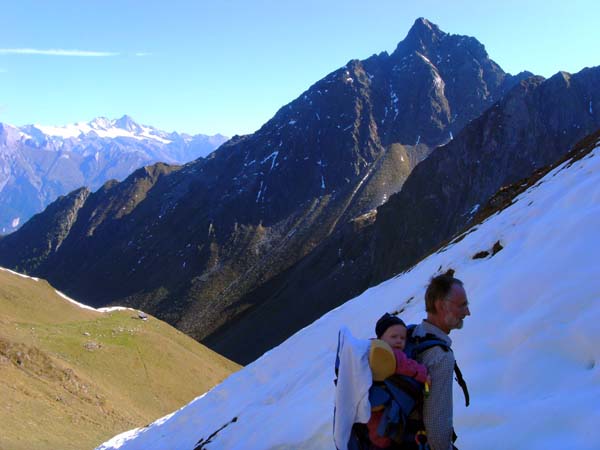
446 305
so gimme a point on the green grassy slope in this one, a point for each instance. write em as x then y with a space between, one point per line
70 378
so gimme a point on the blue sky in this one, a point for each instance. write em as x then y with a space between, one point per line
228 65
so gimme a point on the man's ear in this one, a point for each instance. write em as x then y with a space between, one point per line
439 305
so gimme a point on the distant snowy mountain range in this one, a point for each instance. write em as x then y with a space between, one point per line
76 136
39 163
99 127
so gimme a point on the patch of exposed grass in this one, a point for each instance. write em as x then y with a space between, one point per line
70 378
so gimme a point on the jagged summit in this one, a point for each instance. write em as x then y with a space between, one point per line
127 123
99 123
422 35
425 30
561 78
427 39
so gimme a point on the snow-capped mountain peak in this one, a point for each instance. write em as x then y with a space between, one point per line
127 123
101 123
101 127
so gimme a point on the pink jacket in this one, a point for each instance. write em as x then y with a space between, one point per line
404 366
409 367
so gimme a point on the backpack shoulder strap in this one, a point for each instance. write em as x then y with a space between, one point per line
418 344
462 383
337 358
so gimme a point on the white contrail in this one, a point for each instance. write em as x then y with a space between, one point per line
53 52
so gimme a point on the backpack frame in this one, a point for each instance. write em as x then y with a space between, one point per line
401 395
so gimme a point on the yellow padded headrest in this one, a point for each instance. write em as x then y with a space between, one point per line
381 360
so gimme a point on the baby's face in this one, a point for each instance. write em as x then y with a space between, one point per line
395 336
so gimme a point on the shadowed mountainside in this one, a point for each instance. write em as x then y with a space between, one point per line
535 125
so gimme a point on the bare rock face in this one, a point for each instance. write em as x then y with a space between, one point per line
44 233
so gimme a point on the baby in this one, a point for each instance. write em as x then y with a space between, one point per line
392 330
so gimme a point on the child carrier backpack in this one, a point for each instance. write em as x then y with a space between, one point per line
401 400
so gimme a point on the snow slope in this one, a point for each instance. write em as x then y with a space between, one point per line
529 352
